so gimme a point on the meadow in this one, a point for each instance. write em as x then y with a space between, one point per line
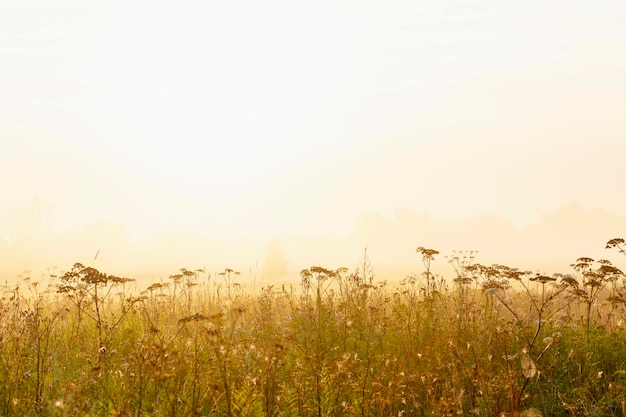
485 341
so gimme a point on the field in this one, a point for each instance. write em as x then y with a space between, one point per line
487 341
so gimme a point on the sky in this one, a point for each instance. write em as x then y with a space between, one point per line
146 121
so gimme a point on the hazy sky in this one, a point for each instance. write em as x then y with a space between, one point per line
279 118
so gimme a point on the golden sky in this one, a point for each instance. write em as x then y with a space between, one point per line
273 119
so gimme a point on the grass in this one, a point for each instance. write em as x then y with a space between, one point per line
492 341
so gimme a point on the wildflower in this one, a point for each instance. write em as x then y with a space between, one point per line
529 369
27 374
59 403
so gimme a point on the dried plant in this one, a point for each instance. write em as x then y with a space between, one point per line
500 341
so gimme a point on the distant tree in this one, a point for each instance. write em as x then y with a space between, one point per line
274 264
26 223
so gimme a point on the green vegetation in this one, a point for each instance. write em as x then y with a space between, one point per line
491 341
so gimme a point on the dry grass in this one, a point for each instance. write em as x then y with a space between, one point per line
494 341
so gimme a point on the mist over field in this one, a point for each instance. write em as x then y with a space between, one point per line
269 137
546 246
168 165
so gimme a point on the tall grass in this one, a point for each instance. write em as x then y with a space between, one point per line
492 341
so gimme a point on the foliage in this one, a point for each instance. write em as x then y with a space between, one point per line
492 341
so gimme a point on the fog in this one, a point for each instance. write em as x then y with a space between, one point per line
547 246
143 137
